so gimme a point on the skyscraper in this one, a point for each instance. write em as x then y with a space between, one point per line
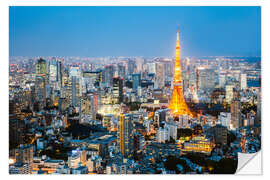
206 79
125 135
60 69
236 119
229 93
163 135
94 104
236 114
108 75
131 66
178 104
243 81
222 80
139 63
118 89
41 80
136 81
138 144
160 75
121 70
40 91
41 67
151 68
75 90
52 71
85 106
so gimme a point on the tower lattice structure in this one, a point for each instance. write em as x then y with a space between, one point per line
177 103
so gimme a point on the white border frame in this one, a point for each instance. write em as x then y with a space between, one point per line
5 56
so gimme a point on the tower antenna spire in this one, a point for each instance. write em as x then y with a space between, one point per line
178 104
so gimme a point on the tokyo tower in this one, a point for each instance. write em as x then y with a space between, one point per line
178 104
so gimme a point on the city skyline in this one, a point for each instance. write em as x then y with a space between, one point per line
105 31
132 115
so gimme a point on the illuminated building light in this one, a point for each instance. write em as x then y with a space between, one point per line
178 104
198 144
11 161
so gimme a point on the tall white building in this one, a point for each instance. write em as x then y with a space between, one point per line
206 78
243 81
160 75
222 80
225 119
139 65
172 130
229 93
151 68
163 135
53 71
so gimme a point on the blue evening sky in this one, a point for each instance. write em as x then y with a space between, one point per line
134 31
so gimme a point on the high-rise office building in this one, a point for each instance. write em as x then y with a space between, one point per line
118 90
95 76
172 129
220 134
126 135
121 70
85 105
243 81
160 117
151 68
108 75
75 90
31 66
94 100
136 78
17 129
206 79
160 75
236 119
131 66
222 80
168 67
139 63
225 119
138 144
24 154
40 89
41 80
229 93
41 67
107 121
60 72
53 71
163 135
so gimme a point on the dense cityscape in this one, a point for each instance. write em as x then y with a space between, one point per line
133 115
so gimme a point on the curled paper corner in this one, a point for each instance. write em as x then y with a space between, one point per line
249 164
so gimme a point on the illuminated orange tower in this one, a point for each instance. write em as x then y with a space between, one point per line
178 104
